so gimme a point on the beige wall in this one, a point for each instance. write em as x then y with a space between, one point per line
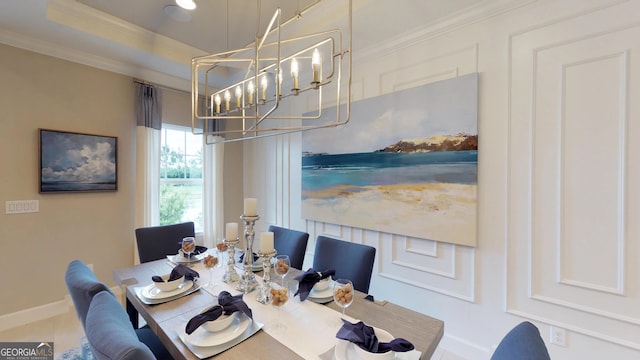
38 91
43 92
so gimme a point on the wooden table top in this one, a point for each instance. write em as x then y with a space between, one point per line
422 331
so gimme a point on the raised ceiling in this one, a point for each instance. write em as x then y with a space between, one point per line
142 39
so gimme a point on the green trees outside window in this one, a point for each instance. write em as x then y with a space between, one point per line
181 177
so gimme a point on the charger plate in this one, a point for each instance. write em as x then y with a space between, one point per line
203 352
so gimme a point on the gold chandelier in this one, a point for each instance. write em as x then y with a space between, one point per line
308 73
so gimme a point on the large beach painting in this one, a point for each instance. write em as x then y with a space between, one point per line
406 163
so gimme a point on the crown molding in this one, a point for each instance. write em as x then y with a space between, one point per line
474 14
86 19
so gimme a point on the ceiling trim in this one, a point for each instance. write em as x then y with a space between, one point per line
89 20
477 13
99 62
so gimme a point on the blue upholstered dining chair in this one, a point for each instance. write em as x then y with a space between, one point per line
350 260
110 333
290 242
84 287
523 342
156 242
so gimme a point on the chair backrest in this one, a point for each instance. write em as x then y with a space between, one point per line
350 260
290 242
82 285
109 332
156 242
523 342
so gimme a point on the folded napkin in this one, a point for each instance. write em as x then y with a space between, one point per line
177 272
255 257
228 304
307 279
199 250
365 337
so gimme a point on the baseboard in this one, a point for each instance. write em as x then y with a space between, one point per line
42 312
463 348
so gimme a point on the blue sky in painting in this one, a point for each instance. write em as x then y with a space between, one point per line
445 107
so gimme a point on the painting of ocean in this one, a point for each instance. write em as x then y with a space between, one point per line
406 163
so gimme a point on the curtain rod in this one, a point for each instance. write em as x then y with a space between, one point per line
138 81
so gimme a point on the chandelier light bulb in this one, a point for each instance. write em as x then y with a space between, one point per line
218 101
264 87
250 88
316 65
294 73
227 98
238 96
186 4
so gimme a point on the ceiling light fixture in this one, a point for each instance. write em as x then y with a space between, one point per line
309 72
186 4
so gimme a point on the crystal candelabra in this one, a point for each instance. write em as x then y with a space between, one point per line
264 297
248 281
230 274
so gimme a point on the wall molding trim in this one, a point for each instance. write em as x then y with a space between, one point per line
42 312
470 298
576 329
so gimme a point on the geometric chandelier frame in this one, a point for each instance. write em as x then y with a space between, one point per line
311 70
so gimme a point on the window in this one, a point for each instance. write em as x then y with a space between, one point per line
181 184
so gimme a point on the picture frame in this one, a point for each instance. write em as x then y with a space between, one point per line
77 162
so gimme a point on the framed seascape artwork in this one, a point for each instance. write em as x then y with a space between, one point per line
406 163
75 162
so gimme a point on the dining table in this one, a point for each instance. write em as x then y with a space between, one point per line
297 330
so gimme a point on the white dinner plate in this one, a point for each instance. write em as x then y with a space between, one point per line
257 264
203 338
344 350
154 293
179 259
326 293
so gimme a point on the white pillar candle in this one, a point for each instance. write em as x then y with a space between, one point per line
231 231
266 242
250 207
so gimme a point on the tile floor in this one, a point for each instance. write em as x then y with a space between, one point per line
66 332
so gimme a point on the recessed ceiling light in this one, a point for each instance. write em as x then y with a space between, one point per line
177 13
186 4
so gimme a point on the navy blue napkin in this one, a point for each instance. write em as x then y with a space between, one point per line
365 337
179 271
307 279
199 250
227 304
255 257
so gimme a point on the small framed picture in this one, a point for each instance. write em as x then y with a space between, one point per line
76 162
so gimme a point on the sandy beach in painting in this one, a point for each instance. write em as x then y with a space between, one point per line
437 211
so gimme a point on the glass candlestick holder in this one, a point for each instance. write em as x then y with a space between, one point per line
264 296
230 275
248 281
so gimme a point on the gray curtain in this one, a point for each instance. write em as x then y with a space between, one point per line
148 109
148 126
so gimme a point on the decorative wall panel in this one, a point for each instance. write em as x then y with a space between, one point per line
573 175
